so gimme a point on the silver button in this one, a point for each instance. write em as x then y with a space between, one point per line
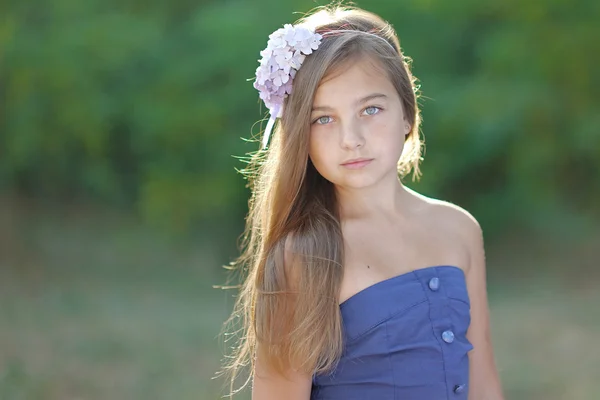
448 336
434 283
458 389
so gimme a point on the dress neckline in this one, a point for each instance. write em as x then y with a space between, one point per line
401 276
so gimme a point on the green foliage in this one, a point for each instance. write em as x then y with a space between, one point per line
142 104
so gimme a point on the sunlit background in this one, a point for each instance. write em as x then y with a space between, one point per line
120 124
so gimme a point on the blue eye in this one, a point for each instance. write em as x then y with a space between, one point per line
322 120
372 110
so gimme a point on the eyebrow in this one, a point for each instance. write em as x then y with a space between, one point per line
358 102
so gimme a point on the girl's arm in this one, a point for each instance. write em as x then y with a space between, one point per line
269 385
484 380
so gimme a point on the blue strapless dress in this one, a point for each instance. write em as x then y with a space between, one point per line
404 339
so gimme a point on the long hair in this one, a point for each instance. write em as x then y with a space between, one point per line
292 250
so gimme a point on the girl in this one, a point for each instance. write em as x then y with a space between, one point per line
357 286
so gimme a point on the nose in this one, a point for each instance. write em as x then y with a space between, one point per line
351 135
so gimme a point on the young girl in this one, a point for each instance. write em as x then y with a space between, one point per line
357 287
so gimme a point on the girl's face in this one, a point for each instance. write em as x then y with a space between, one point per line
357 114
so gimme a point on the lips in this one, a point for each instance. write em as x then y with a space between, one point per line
356 161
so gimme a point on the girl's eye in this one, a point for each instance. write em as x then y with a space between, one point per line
322 120
372 110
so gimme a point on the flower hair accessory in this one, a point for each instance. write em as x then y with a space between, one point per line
286 49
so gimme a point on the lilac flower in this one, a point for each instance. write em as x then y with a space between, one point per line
296 60
286 50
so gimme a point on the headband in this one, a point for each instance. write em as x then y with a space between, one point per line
286 49
281 59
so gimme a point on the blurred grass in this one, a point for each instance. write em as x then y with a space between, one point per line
95 306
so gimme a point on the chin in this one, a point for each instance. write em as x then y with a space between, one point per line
356 182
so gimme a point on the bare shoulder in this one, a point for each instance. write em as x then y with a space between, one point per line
454 220
447 215
465 229
456 217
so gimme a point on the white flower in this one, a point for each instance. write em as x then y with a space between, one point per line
276 42
283 60
289 34
280 77
286 50
296 60
309 43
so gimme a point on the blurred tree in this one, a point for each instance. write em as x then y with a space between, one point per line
142 104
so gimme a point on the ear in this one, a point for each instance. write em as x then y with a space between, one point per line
407 127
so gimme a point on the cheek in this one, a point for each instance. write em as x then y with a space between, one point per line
392 136
317 146
398 147
320 156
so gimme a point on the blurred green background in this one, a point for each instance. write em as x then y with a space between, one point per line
120 200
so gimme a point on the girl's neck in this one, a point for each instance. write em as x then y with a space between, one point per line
380 201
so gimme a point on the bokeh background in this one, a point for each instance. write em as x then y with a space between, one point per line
120 127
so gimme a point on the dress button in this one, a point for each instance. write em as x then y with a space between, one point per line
458 389
448 336
434 283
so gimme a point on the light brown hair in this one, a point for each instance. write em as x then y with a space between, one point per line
292 245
